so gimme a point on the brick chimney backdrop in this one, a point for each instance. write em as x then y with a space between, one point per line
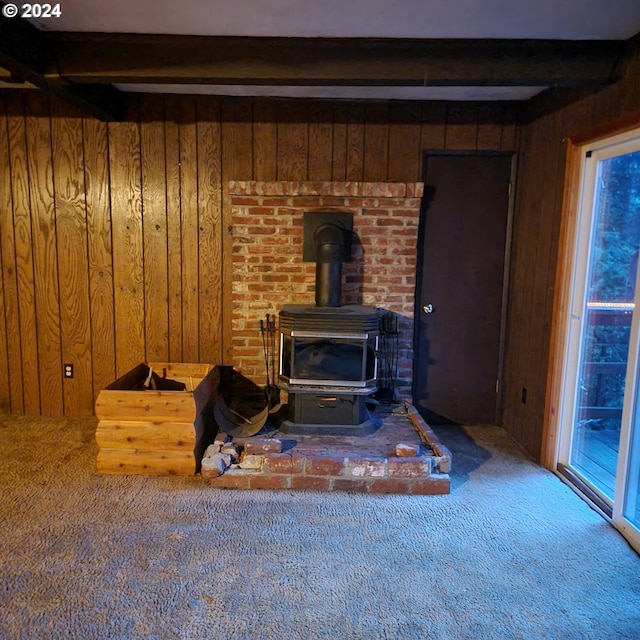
268 270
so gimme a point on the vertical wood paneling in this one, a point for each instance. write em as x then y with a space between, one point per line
355 143
71 227
339 151
462 127
631 90
237 141
434 127
526 230
489 132
293 141
265 141
141 205
530 265
210 229
189 216
404 143
126 217
5 396
320 142
376 143
534 263
100 253
8 300
535 267
28 329
154 228
46 260
174 227
510 129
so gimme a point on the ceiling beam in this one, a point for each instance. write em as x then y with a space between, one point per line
27 53
122 58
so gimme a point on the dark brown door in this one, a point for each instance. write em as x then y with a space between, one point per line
459 309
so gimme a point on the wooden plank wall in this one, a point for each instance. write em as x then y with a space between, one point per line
115 247
536 250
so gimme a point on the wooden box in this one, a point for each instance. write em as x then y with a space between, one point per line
156 432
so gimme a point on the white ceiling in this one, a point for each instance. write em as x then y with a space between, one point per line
517 19
557 19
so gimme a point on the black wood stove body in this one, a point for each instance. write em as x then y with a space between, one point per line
328 352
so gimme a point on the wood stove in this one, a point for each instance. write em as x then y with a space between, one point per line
328 352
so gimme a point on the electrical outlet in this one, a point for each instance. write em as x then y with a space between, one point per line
68 370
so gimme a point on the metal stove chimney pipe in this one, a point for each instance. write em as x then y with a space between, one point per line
330 247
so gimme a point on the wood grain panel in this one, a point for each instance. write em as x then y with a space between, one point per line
462 127
237 140
489 133
404 143
164 406
265 141
120 434
513 409
154 227
100 253
210 229
71 225
174 227
510 128
8 296
631 90
128 268
544 283
189 216
433 130
522 298
24 257
293 141
156 462
320 141
376 143
5 397
46 261
535 282
339 150
355 143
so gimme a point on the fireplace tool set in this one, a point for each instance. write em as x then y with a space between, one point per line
268 332
388 365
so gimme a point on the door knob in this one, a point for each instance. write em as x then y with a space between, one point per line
428 308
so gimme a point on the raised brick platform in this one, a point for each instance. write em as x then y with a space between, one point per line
402 456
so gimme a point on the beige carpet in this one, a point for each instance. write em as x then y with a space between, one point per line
511 553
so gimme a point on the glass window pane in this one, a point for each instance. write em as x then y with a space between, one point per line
608 311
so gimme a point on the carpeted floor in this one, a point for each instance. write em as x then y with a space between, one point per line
511 553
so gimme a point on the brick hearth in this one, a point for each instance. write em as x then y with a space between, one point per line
268 269
403 456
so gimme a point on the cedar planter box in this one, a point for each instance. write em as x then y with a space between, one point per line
156 432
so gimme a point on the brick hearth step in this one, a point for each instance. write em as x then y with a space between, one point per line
402 456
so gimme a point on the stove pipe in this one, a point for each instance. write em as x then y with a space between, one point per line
330 248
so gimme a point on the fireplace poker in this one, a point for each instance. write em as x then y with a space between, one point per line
272 335
265 351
